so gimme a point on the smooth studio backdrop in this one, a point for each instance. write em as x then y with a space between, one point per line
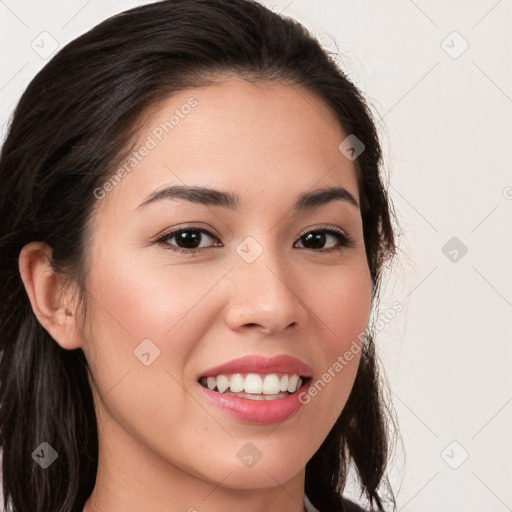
439 80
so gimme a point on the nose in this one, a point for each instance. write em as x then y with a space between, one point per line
262 296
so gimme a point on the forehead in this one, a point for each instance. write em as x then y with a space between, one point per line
251 138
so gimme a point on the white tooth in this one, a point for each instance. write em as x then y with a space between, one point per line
222 383
299 384
211 382
292 384
284 383
236 383
271 384
253 383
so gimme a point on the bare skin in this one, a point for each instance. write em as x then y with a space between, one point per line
163 446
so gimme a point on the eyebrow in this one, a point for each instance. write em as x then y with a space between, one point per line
212 197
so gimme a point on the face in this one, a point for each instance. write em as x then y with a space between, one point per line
262 277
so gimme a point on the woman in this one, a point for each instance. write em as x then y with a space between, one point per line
193 226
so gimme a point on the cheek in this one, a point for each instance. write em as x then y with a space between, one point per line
143 325
153 299
342 305
135 301
342 312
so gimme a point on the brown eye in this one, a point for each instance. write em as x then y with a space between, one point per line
187 239
315 240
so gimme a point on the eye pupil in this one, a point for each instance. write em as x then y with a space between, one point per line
189 237
315 237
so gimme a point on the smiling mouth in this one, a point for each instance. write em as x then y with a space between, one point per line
253 386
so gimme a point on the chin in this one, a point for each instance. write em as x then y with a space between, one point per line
253 479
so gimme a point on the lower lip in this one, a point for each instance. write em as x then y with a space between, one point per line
257 411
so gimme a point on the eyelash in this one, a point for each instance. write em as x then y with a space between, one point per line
343 239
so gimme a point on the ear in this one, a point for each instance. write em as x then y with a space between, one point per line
52 304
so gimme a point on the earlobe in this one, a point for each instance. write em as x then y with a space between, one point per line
45 290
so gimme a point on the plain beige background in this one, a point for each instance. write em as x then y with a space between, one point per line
439 79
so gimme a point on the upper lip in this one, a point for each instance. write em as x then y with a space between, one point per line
260 364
